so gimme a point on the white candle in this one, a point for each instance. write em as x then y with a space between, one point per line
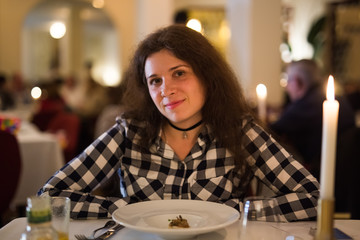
261 92
328 148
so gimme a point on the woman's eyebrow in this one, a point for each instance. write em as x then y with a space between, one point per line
177 66
170 69
152 75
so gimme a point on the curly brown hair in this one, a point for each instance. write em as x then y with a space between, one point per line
225 106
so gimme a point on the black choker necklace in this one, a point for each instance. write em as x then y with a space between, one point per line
184 130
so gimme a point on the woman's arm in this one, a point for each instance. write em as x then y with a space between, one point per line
296 189
86 172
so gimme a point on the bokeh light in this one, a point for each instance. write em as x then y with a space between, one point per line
261 91
111 76
194 24
36 92
57 30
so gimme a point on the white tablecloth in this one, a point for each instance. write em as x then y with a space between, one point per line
284 231
41 157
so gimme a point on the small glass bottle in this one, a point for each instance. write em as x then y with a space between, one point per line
39 225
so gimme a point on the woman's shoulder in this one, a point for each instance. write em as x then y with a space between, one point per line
129 125
129 122
248 121
252 127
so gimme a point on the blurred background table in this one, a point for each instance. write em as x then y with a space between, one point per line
41 156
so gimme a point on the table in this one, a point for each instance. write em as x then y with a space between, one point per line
41 157
299 230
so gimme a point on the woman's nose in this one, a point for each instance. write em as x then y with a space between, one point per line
167 88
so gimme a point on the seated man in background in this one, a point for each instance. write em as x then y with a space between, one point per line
7 98
300 125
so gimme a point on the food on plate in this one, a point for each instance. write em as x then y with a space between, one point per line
179 222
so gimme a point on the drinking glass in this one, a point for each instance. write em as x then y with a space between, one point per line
60 216
257 213
258 208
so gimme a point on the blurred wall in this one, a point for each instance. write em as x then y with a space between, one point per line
254 46
12 15
153 14
123 14
13 12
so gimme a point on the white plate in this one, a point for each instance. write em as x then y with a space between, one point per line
153 217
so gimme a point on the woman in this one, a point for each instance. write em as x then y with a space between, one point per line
186 133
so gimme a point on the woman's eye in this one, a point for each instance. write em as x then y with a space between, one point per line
179 73
155 81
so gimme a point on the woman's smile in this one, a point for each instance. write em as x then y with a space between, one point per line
174 104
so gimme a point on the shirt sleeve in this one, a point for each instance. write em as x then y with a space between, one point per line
86 172
296 190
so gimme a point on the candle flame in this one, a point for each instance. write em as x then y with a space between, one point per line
261 91
330 92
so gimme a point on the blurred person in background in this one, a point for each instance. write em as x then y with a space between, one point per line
7 100
54 116
352 92
300 124
49 104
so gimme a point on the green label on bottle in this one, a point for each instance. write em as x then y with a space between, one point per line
39 216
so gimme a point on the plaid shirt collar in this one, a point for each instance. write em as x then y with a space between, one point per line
164 150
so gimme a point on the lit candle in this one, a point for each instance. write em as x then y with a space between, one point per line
261 92
328 148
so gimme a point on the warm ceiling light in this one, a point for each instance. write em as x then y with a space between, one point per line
194 24
57 30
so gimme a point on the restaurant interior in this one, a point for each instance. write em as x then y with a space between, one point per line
74 53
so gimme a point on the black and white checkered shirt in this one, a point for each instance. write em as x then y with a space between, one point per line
207 173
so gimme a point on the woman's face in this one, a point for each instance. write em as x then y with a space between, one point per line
175 89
